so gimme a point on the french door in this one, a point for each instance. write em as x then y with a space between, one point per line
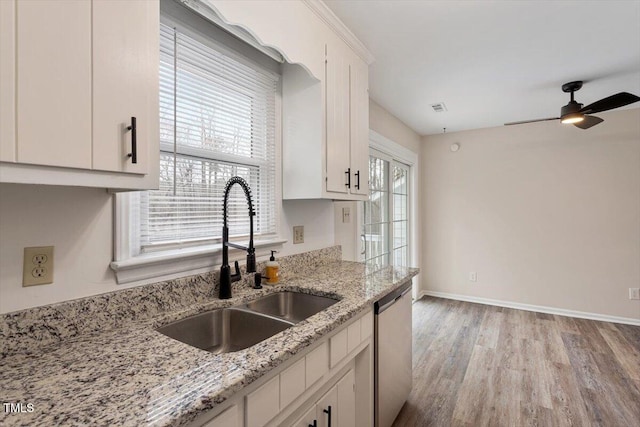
385 216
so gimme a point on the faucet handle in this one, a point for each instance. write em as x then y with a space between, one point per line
236 276
257 279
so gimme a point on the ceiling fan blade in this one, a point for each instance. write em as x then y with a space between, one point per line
609 103
589 121
531 121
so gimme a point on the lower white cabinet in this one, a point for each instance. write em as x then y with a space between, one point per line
331 384
228 418
336 408
264 403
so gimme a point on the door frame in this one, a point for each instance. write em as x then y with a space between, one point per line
407 157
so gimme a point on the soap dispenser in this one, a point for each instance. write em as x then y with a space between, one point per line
273 270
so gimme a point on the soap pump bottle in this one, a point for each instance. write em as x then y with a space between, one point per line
273 270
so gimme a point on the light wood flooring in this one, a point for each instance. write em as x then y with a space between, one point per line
479 365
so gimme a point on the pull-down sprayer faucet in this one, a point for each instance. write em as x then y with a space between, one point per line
226 278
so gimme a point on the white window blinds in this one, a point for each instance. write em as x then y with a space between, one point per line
217 120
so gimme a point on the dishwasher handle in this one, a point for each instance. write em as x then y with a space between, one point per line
390 299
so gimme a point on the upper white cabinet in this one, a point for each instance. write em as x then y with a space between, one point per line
74 74
325 99
347 124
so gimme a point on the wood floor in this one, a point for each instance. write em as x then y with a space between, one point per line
479 365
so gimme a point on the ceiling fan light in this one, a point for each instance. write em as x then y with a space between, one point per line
572 118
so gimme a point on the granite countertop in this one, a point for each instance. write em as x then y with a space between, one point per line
133 375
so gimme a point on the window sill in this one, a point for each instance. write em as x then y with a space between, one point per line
174 263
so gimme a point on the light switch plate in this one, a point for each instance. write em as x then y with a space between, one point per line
346 215
37 266
634 293
298 234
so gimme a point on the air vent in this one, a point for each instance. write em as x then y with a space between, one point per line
439 107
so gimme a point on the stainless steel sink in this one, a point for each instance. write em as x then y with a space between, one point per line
291 306
224 330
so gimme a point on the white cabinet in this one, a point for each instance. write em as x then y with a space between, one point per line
347 122
336 408
228 418
359 125
325 98
53 87
326 129
74 73
338 178
264 403
308 385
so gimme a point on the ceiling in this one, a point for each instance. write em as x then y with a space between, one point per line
493 62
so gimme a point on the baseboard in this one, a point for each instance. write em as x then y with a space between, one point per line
529 307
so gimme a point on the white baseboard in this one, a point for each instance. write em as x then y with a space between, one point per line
529 307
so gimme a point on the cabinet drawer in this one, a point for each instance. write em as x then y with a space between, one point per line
366 326
317 364
338 347
264 403
292 383
229 418
353 336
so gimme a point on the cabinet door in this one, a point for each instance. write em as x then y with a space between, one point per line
7 80
359 89
229 418
346 389
309 419
337 116
327 409
53 67
125 82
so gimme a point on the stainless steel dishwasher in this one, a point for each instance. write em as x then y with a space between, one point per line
393 365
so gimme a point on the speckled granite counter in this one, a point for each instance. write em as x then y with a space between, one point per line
115 369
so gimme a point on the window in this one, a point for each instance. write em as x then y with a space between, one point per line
385 221
217 120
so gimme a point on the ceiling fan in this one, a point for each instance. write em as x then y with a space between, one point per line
574 113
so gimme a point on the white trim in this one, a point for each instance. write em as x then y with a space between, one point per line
398 152
338 27
160 265
536 308
208 12
404 155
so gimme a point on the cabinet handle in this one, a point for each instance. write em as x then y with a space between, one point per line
134 143
328 412
348 172
315 424
358 180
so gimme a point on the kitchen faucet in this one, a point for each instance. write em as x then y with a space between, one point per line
226 278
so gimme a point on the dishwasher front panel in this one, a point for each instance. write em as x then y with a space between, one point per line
393 363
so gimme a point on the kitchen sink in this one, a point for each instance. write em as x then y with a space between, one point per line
224 330
291 306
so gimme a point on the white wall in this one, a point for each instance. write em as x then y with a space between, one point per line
79 223
388 125
546 214
317 218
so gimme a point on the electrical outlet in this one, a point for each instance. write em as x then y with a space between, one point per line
37 266
298 234
473 276
634 293
346 215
